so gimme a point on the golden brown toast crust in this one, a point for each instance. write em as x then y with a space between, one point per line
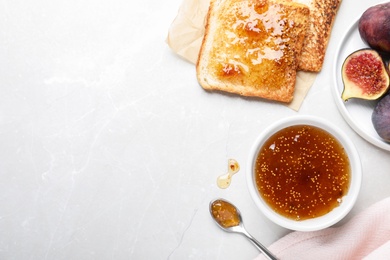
322 16
250 47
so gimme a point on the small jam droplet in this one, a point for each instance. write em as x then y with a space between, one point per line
224 180
225 214
234 167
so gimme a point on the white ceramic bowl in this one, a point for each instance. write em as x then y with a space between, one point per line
348 200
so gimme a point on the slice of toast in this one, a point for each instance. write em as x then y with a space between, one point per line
322 16
250 47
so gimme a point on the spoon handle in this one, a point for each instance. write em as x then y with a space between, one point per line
262 248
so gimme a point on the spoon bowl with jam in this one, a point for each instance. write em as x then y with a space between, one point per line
304 173
228 218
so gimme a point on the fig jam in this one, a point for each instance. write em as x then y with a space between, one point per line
225 214
302 172
254 33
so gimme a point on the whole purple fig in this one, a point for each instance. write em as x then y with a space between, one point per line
374 27
381 118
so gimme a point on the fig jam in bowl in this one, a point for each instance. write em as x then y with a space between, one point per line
304 173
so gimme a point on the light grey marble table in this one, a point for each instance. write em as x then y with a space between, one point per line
109 148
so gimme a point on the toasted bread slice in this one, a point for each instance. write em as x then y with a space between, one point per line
322 16
250 47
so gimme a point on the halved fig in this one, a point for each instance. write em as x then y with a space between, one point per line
364 75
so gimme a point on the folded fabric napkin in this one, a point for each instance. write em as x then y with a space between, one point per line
365 236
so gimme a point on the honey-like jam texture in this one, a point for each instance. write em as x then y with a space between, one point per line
225 213
302 172
255 32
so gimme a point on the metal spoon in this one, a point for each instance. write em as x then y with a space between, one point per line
229 219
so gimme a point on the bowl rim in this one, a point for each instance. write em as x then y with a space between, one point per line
349 199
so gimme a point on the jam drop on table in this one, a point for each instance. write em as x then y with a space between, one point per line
224 180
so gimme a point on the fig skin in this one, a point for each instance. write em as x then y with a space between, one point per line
364 75
381 118
374 27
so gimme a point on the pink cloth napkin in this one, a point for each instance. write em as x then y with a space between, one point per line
365 236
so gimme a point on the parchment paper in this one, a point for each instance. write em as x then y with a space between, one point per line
185 38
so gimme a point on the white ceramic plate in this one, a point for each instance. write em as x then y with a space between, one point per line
356 112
